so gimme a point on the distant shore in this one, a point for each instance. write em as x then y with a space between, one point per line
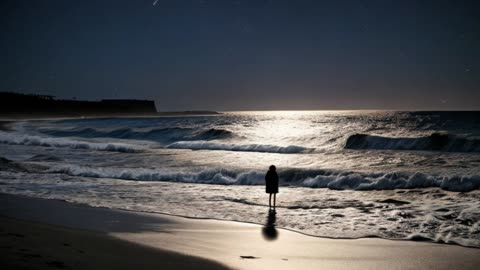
36 106
82 237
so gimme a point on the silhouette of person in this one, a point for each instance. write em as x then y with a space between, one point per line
271 184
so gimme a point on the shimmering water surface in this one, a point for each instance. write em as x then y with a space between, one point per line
398 175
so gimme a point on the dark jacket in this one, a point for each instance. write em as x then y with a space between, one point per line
271 182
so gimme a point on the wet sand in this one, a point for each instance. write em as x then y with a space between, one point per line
121 238
28 245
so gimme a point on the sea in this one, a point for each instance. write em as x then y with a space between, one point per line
343 174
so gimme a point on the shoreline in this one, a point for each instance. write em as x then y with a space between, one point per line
227 241
248 223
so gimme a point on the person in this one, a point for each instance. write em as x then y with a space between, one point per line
271 184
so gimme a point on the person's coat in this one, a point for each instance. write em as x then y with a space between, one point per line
271 182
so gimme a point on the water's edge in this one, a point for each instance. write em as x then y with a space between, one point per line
228 220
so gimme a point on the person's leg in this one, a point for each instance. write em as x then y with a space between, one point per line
270 201
274 200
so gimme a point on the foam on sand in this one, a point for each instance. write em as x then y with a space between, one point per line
290 250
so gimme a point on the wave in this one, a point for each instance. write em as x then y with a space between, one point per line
213 134
13 166
434 142
331 179
263 148
212 176
22 139
393 180
160 134
9 165
44 158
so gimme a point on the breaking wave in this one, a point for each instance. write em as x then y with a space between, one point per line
265 148
159 135
22 139
44 158
434 142
212 176
331 179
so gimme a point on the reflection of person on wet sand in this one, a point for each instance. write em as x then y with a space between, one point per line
271 184
268 231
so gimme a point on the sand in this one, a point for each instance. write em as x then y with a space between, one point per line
27 245
114 238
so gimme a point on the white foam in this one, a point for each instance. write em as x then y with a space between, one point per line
430 215
22 139
334 180
208 145
212 176
388 181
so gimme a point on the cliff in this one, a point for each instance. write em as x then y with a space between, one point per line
21 105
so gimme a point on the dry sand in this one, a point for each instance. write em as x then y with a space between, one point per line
233 244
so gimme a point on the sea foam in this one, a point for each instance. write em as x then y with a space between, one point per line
266 148
331 179
22 139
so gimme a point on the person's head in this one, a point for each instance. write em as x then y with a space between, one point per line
273 168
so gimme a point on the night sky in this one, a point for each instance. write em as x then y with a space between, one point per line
246 55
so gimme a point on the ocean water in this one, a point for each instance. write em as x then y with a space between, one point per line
343 174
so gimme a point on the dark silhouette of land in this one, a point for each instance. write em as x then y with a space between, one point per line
16 105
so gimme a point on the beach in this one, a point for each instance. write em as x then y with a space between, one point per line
411 175
46 234
30 245
189 192
240 135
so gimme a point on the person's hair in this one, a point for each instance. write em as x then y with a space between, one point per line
272 168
